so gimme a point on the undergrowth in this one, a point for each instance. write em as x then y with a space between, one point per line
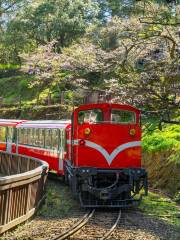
162 208
163 140
59 200
9 66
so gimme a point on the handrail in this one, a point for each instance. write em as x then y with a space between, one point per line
21 192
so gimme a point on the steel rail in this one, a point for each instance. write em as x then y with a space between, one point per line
78 225
112 228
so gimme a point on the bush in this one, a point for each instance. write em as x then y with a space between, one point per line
166 140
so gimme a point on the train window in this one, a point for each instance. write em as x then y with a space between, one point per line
92 116
38 137
55 139
21 135
2 134
48 138
14 135
31 136
28 136
10 134
63 139
25 136
123 116
41 138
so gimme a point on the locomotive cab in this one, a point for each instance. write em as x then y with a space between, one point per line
104 156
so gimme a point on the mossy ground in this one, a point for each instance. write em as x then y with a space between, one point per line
59 200
161 207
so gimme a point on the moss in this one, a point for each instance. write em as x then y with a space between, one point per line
59 200
161 207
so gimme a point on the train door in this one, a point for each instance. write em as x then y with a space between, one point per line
9 139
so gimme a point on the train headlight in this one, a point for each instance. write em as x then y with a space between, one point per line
87 131
132 132
82 142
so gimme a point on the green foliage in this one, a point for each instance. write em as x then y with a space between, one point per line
91 45
60 20
58 202
9 66
167 139
161 207
12 88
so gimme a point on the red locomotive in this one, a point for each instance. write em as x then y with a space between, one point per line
98 152
103 162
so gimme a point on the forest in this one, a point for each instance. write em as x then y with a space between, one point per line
58 51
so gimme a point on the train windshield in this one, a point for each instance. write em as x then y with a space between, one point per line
115 116
123 116
91 116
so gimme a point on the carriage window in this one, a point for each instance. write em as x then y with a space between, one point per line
2 134
92 116
10 134
55 139
21 135
123 116
31 136
41 138
52 139
48 138
63 139
28 136
25 136
38 137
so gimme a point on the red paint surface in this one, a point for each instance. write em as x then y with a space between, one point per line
109 136
44 154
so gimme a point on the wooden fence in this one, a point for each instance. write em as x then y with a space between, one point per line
22 188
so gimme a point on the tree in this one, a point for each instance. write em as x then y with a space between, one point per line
128 8
141 68
60 20
43 21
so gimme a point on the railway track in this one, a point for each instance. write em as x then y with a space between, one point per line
93 225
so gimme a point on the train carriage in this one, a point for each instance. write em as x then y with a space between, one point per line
8 134
45 140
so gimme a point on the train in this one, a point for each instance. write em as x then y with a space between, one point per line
97 152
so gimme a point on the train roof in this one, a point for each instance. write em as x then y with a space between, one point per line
10 122
111 105
45 124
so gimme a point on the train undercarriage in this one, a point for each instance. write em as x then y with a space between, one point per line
96 187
